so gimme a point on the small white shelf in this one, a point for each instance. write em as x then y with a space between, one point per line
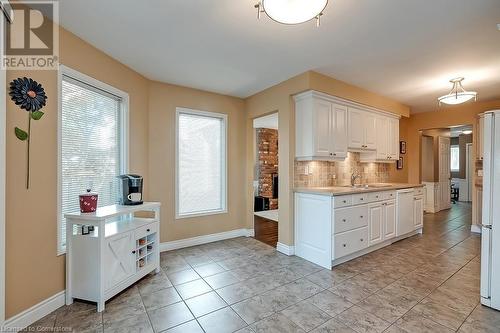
107 212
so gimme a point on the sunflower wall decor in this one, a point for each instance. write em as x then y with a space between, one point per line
30 96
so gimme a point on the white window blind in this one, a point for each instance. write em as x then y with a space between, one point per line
455 158
201 163
90 146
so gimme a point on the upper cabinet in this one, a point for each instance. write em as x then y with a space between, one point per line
387 130
362 130
321 129
328 127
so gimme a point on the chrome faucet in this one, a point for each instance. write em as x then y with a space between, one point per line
354 176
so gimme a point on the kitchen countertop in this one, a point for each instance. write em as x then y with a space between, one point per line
340 190
268 214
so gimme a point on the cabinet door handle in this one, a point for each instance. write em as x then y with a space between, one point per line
361 199
148 230
344 245
361 216
334 154
376 196
133 252
361 239
345 201
343 220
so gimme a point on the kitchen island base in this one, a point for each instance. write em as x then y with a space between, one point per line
331 229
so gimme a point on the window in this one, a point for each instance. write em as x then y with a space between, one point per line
92 143
455 158
200 163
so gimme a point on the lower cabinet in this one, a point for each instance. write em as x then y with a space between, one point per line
333 229
382 220
376 220
349 242
390 219
418 211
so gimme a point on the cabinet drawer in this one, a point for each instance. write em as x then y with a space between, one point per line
418 191
146 230
389 195
376 196
342 201
350 242
350 218
359 198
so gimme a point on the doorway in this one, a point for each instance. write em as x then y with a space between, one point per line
446 167
266 178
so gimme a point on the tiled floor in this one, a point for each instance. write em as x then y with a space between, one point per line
427 283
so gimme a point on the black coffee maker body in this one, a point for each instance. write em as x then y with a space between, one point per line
130 189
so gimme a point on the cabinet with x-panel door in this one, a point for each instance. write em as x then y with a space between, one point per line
109 250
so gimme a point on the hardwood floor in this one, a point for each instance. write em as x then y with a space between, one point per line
266 231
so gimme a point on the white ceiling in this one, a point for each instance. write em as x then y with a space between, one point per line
269 121
404 49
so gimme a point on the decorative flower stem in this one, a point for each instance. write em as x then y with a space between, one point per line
30 115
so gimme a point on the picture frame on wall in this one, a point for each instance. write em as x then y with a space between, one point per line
402 147
399 163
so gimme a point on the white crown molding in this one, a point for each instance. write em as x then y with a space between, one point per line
35 313
187 242
343 101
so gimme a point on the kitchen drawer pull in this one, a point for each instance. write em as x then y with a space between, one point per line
148 230
345 201
362 239
343 220
361 199
344 245
361 216
133 251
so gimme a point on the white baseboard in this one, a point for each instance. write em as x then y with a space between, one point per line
475 228
187 242
285 249
35 313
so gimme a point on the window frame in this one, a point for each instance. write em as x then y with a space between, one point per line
124 132
223 117
457 147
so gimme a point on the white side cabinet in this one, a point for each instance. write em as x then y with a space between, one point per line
109 250
321 129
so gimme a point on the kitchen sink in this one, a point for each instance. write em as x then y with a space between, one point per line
367 186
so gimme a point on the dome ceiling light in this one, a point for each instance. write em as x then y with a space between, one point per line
292 11
457 95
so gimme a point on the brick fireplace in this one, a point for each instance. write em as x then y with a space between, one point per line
267 163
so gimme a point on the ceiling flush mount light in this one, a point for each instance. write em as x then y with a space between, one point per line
292 11
457 95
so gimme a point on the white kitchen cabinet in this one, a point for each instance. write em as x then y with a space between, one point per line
321 129
387 129
418 211
376 223
390 214
330 229
109 250
362 129
327 127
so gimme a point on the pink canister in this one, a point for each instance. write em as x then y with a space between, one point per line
88 202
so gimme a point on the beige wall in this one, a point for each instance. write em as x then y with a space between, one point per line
163 100
280 98
434 133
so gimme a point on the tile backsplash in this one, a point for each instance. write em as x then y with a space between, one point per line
323 173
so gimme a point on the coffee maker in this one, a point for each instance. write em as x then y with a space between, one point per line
130 189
